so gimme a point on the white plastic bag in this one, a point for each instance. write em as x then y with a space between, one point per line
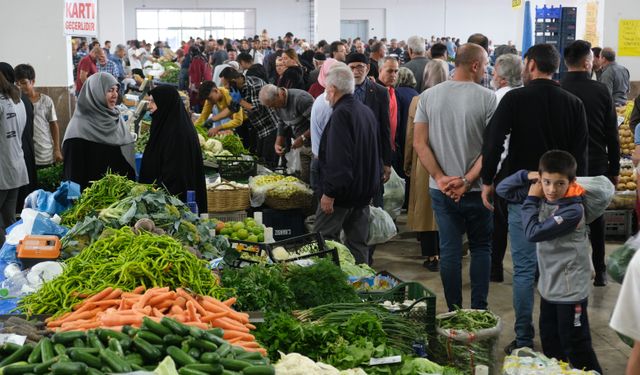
294 164
393 197
381 226
599 192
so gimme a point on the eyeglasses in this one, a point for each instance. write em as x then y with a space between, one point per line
360 67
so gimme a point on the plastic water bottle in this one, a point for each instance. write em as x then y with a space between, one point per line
191 201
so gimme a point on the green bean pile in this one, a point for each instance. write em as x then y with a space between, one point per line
122 259
101 194
470 321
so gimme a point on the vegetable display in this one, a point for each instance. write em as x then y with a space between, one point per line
49 178
167 212
285 287
113 309
342 335
194 351
122 259
469 320
101 194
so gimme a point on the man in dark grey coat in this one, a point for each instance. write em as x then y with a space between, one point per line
350 166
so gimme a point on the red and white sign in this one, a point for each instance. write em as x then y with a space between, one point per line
81 17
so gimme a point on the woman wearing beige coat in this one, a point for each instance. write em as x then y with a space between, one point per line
421 218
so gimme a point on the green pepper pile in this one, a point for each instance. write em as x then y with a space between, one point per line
122 259
101 194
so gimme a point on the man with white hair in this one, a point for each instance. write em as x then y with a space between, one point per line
293 108
415 45
507 75
350 166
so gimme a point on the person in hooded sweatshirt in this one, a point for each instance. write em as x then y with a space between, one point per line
172 157
97 139
553 217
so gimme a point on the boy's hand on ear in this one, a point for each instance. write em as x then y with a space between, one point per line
533 176
535 190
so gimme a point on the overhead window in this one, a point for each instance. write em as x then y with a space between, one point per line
176 25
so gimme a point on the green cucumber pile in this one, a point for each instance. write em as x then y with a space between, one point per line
101 351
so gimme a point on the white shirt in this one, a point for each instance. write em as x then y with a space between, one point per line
626 314
44 113
135 57
320 114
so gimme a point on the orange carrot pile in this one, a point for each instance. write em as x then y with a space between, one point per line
113 309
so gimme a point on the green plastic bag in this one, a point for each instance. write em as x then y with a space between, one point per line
619 259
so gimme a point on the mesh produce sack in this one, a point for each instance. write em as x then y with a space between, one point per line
381 226
599 192
393 197
467 349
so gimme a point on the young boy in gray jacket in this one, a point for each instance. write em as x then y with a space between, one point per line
553 216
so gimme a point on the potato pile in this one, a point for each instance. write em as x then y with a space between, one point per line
628 178
627 144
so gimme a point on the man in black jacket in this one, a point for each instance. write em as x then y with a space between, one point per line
604 147
350 166
540 116
376 97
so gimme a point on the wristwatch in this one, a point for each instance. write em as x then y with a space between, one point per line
467 184
304 139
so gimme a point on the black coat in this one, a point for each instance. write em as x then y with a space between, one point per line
86 161
172 157
604 146
377 99
540 117
29 155
350 169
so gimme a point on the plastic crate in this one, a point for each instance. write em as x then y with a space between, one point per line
247 252
412 291
236 168
228 216
311 243
618 223
285 223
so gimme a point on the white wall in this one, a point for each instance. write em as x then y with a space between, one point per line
111 22
277 16
327 25
404 18
616 10
40 43
376 16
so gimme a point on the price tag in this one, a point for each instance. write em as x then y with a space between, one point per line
385 360
11 338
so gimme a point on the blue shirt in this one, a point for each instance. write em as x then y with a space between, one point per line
361 90
636 136
320 114
119 66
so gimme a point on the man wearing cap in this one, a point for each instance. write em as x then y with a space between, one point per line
318 59
376 97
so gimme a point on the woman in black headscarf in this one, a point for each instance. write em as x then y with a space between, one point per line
97 138
173 158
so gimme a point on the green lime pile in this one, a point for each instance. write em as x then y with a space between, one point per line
247 230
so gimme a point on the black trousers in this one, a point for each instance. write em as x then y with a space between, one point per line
500 233
429 243
265 150
562 340
596 235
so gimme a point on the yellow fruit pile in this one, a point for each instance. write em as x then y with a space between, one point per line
628 179
627 144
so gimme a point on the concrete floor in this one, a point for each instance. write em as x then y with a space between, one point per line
402 257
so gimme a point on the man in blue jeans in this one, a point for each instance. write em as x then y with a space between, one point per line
449 124
539 117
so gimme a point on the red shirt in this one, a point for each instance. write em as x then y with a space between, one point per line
316 90
87 65
393 116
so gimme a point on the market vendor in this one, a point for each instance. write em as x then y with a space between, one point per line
97 139
221 98
172 157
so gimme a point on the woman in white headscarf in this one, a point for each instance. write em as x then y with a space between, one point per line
97 139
